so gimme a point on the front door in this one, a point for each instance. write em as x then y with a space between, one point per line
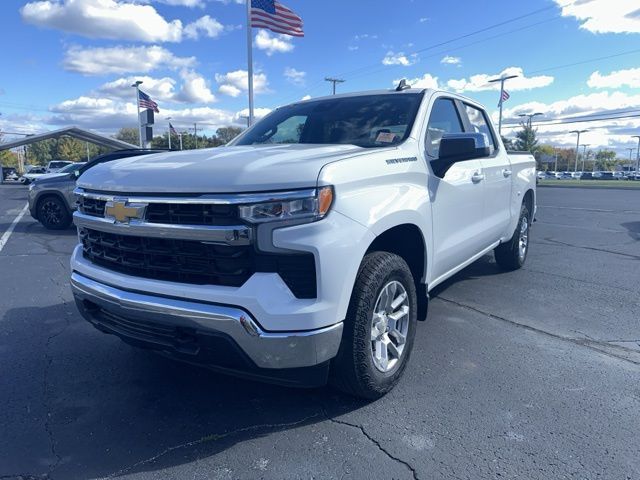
457 199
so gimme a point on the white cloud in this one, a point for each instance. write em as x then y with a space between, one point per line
426 81
480 82
449 60
183 3
160 89
207 26
273 43
607 133
306 97
399 58
195 89
103 19
620 78
604 16
423 19
295 76
122 59
236 82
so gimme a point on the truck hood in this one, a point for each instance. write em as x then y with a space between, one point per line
218 170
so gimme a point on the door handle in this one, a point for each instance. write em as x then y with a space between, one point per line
477 177
506 172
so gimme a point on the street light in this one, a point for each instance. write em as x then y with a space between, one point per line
334 81
577 146
584 153
637 154
501 80
630 155
530 116
136 85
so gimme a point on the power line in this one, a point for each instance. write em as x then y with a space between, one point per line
582 62
575 121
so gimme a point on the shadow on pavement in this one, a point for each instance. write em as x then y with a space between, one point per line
83 404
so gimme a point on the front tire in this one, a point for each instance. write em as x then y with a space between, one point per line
379 329
512 255
53 213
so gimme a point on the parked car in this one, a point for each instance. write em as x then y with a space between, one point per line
55 165
9 173
607 176
304 250
51 199
619 175
32 174
541 175
586 176
596 175
576 175
559 175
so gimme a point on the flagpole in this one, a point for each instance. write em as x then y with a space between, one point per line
169 134
250 62
502 79
137 85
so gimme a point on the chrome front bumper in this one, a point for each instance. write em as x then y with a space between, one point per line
151 319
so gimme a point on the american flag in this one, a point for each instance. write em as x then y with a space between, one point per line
276 17
505 96
146 102
172 130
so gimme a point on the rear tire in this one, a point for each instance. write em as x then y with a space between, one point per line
53 213
379 329
512 254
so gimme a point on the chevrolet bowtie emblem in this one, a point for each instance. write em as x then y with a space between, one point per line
119 211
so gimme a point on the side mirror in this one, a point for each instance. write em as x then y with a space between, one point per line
458 147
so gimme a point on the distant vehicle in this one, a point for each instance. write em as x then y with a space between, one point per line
596 174
32 174
619 175
586 176
9 173
576 175
542 175
56 165
51 199
559 175
607 175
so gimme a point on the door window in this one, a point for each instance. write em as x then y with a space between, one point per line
479 123
444 119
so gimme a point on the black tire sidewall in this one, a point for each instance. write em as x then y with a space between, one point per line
65 219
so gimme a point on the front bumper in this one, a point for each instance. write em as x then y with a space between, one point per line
192 330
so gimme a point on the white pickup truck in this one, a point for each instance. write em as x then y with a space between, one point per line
304 251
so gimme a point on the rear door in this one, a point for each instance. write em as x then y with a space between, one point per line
457 199
497 177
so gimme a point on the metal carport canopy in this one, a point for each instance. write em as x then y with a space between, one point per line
74 132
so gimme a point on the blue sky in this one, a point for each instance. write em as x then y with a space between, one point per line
72 60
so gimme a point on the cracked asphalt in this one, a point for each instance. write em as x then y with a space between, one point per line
531 374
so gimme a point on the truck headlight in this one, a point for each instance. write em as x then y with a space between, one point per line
311 205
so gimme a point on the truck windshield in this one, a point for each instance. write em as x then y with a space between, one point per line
367 121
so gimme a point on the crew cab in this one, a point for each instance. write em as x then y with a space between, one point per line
304 251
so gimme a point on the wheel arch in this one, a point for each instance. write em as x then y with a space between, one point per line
47 194
529 200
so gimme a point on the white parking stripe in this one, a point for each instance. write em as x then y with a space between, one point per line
5 238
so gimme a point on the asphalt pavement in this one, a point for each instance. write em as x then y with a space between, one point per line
531 374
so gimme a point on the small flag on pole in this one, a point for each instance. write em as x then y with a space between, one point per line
172 130
146 102
276 17
504 97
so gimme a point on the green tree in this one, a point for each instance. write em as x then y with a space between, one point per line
508 143
129 134
226 134
40 153
526 139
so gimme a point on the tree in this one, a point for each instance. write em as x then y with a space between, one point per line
129 135
226 134
71 149
40 153
508 143
526 140
606 160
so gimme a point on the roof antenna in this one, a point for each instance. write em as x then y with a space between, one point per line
403 85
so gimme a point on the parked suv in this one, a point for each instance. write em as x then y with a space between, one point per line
304 250
51 199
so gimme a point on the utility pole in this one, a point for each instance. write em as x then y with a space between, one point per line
136 85
555 169
169 135
195 133
501 80
637 154
584 153
529 117
577 146
334 81
630 155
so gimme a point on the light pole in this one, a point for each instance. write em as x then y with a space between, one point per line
584 153
136 85
195 132
529 117
501 80
637 154
577 146
630 155
169 135
334 81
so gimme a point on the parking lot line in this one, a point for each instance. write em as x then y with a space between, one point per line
5 237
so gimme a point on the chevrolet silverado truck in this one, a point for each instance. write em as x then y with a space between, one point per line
303 251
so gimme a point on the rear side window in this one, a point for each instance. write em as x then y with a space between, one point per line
444 119
479 123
